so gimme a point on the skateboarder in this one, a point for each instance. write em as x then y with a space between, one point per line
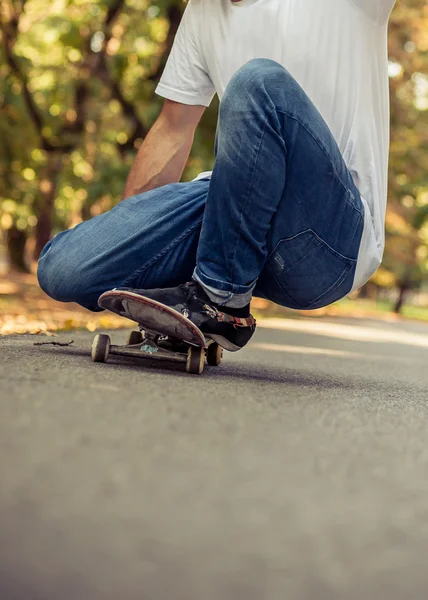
294 209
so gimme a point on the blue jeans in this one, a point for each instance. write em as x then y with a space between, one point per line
281 217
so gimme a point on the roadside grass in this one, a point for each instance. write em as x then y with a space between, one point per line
346 308
419 313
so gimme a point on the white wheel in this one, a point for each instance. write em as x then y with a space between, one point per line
195 360
100 348
134 338
214 354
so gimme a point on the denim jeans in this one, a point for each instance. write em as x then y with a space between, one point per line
281 217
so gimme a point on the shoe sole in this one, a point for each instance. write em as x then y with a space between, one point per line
224 342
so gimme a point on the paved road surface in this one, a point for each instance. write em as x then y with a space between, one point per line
297 470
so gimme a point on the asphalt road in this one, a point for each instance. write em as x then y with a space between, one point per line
296 470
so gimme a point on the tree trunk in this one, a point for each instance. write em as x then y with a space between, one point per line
16 241
403 289
43 230
45 206
363 293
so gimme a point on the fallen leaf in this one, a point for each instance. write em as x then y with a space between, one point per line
53 343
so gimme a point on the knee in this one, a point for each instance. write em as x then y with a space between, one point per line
257 73
51 273
58 272
256 76
261 67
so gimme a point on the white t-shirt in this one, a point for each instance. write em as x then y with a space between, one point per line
335 49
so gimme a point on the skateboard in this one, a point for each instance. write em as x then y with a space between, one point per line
164 334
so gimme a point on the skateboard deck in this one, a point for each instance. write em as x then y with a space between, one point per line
165 334
153 316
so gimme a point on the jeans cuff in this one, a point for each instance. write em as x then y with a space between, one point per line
225 294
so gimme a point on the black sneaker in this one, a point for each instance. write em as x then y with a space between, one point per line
231 331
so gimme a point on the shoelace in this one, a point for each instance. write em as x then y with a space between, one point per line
187 287
189 290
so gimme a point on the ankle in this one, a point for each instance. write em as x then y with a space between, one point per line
234 312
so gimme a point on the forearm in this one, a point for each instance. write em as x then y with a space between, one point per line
160 160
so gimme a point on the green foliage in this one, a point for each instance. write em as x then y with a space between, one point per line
90 70
406 256
77 84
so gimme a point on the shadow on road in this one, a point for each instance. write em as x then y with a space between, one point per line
232 373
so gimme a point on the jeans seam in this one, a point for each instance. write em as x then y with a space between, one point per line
331 289
352 203
201 277
280 285
335 285
355 233
320 240
162 253
249 191
317 141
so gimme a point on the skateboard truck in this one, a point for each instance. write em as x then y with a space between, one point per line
150 345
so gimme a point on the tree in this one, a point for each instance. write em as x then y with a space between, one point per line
406 256
77 84
80 85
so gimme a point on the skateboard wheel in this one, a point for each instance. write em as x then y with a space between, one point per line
134 338
195 360
214 354
100 348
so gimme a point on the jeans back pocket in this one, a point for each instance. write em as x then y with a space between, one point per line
304 272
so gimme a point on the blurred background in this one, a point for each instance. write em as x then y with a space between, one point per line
77 82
